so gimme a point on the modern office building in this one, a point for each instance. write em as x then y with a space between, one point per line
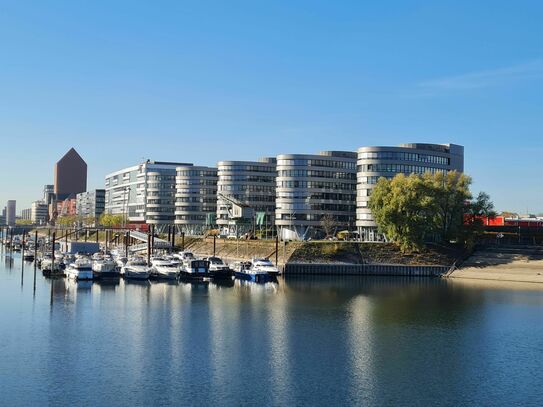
39 213
315 194
195 199
91 204
376 162
26 214
145 193
70 175
48 194
249 185
11 209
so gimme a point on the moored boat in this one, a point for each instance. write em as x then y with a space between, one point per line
218 269
136 269
81 269
195 269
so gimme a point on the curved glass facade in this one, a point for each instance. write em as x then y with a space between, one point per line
376 162
312 186
195 199
251 183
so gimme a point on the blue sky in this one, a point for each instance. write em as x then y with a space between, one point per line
203 81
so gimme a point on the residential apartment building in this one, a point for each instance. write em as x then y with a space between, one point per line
376 162
39 212
91 204
26 214
145 193
250 184
195 199
315 194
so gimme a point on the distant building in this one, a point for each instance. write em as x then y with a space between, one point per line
39 213
144 192
195 199
26 214
252 185
315 194
91 204
66 207
376 162
70 175
48 194
11 213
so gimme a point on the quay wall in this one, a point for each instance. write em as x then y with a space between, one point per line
364 269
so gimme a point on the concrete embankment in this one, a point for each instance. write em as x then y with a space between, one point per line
332 258
503 263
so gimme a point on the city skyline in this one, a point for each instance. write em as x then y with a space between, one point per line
182 83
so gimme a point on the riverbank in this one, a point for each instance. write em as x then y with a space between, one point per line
503 263
323 252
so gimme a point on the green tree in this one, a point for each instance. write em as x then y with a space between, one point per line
412 209
401 208
109 220
448 193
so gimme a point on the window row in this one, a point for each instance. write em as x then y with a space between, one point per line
403 168
317 174
348 165
317 185
404 156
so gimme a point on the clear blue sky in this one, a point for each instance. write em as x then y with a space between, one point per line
203 81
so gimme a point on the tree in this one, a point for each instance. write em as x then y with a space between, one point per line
412 209
329 224
109 220
475 211
400 207
448 192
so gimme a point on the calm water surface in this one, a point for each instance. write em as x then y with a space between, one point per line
319 341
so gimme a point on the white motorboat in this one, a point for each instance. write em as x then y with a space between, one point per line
195 269
81 269
264 265
218 268
136 268
105 267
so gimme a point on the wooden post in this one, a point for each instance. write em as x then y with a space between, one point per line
153 239
53 253
182 240
276 250
126 240
214 244
35 247
149 246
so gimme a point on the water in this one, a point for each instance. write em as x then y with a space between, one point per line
319 341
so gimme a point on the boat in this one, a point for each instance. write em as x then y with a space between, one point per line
184 256
81 269
244 270
105 267
195 269
166 267
265 265
136 268
28 257
218 268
